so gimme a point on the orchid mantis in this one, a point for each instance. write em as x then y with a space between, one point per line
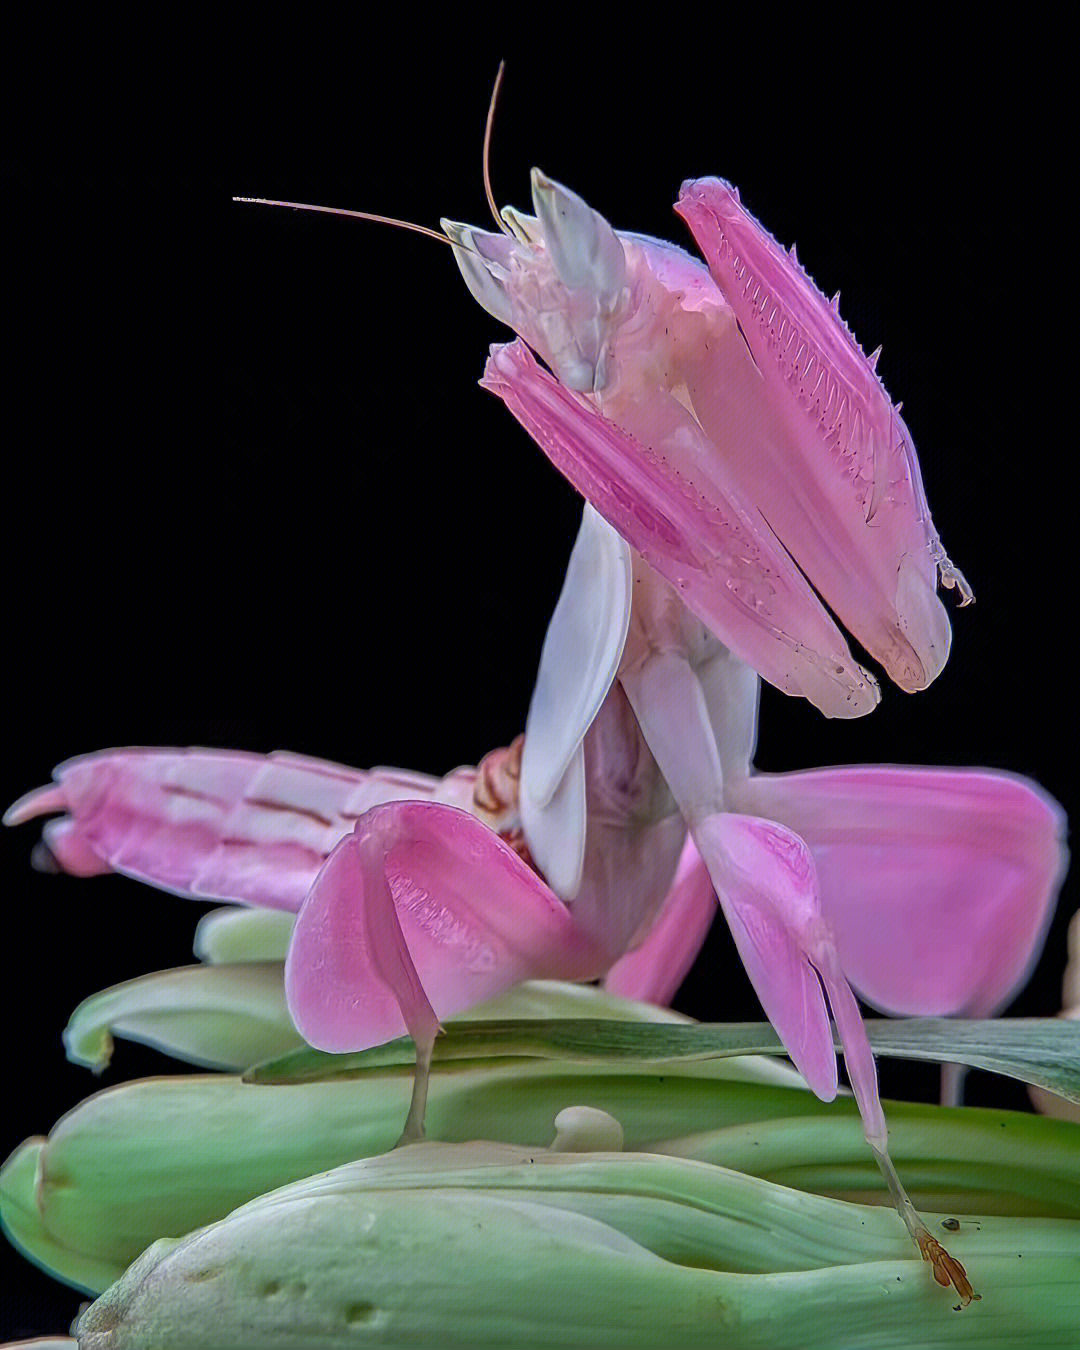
724 420
564 856
739 456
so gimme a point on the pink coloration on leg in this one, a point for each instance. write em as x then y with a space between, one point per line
348 962
474 918
767 886
858 1057
763 873
653 971
937 883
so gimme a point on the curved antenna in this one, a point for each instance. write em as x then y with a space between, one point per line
487 151
357 215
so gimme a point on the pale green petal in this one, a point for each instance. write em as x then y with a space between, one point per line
222 1017
42 1343
166 1155
391 1271
537 1251
24 1226
234 934
966 1160
682 1209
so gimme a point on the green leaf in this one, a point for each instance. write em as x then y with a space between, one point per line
235 933
1041 1051
219 1017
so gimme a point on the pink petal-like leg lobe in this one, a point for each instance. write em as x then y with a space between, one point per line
653 971
765 880
348 958
768 888
475 921
209 824
938 884
858 1056
348 950
838 470
763 874
702 547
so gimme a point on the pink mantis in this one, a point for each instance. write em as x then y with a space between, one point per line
417 897
932 887
741 456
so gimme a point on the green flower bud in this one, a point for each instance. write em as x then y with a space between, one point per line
162 1156
236 933
486 1246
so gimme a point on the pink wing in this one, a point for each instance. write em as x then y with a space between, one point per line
844 490
209 824
937 883
777 625
472 919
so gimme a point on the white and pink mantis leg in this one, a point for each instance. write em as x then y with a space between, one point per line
416 897
763 873
331 844
421 907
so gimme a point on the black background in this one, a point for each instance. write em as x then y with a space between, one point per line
254 497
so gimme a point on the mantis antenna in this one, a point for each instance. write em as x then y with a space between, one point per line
488 125
357 215
408 224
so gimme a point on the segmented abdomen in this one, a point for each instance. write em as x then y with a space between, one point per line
224 825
